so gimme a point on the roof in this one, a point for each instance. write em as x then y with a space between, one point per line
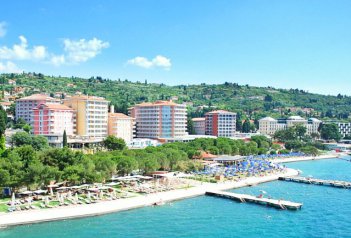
221 111
295 118
37 97
119 115
267 119
229 158
6 103
157 103
314 119
54 106
86 97
198 119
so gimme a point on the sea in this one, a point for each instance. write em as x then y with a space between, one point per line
326 212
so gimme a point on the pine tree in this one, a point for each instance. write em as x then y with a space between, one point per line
64 142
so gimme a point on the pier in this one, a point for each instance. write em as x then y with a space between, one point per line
280 204
332 183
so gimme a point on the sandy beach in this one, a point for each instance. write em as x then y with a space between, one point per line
104 207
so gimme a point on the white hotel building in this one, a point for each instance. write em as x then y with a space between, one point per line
160 119
344 128
269 126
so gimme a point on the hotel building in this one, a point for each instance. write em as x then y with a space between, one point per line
53 119
344 128
91 115
269 126
199 125
25 105
220 123
160 119
121 126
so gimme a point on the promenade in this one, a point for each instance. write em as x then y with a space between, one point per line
104 207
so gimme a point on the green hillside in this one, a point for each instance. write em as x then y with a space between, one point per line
253 101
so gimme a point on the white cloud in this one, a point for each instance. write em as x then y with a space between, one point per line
22 52
2 29
83 50
159 61
74 52
58 60
9 67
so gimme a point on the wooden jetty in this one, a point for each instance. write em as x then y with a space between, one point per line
333 183
281 204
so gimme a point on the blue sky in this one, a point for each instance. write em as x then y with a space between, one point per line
286 44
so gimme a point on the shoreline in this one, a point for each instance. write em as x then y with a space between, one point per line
106 207
306 158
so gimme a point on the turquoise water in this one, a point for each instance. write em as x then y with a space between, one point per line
326 213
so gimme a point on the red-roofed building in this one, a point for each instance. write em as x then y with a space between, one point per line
121 126
53 120
25 105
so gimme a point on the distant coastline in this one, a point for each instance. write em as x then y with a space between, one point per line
306 158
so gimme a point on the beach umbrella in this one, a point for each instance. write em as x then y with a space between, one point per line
51 191
13 199
29 200
62 200
46 200
69 194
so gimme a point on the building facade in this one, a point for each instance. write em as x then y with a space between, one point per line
344 128
25 105
91 115
53 119
220 123
161 119
121 126
269 125
199 125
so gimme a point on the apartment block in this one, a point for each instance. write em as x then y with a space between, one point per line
25 105
220 123
160 119
91 115
121 126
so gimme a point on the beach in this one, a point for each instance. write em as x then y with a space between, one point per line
305 158
104 207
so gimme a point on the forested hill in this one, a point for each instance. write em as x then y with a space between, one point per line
245 99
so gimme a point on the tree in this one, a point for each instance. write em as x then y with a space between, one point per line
125 165
19 123
300 130
27 128
20 139
114 143
330 132
246 126
39 142
64 142
190 126
3 121
239 124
